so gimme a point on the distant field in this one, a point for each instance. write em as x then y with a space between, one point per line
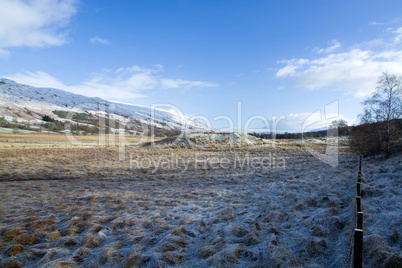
21 139
132 206
41 156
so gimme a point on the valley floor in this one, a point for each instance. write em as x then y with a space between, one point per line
160 207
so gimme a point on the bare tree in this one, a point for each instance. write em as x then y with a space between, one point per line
384 107
340 125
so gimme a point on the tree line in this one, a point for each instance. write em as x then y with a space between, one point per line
380 123
380 128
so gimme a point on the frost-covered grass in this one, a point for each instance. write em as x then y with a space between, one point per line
102 212
382 208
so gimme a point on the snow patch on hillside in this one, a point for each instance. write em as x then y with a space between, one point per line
45 100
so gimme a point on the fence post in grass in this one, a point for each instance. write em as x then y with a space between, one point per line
360 220
358 249
358 233
359 204
359 189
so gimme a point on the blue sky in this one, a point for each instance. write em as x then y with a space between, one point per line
278 58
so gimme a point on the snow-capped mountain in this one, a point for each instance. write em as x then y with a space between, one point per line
23 103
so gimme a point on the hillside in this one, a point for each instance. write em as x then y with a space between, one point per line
27 105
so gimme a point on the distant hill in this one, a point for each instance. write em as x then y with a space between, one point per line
33 107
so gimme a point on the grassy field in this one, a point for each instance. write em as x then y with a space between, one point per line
41 139
133 206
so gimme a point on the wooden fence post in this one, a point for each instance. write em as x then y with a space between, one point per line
358 234
360 220
359 204
358 249
359 189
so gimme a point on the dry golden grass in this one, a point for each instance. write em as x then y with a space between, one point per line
55 140
10 234
86 206
15 249
54 236
92 241
56 161
25 239
12 263
133 260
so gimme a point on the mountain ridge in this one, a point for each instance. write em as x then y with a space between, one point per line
22 103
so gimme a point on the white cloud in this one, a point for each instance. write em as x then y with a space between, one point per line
38 79
330 49
98 40
398 37
94 87
373 23
311 121
179 83
288 70
122 84
38 23
4 53
159 66
135 69
355 71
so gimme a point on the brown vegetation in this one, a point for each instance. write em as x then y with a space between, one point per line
86 207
